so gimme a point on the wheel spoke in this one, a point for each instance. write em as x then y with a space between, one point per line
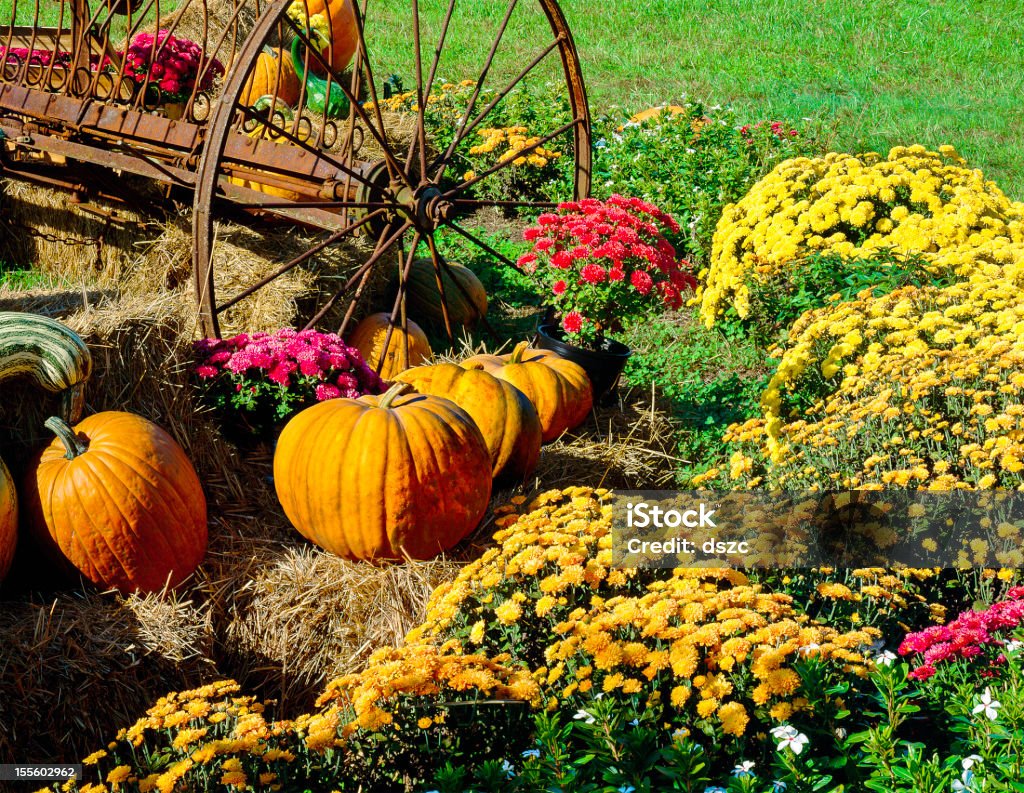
476 90
504 163
421 100
400 305
463 134
303 257
383 245
482 245
438 260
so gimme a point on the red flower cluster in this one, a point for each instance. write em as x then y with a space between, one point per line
173 64
604 262
968 636
15 56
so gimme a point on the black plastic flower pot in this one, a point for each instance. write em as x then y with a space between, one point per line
603 367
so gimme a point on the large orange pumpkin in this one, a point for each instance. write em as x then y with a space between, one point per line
8 520
368 337
383 477
273 75
559 389
118 499
344 34
504 414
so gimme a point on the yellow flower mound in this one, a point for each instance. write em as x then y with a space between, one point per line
913 201
923 387
721 646
422 672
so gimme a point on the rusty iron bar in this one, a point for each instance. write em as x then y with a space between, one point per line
421 100
430 79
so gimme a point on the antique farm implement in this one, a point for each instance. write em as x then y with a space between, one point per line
347 120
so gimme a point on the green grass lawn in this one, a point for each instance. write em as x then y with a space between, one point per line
929 71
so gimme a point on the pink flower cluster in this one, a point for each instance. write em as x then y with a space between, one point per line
968 636
601 262
286 358
171 63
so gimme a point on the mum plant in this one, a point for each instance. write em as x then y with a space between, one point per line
170 63
604 265
265 378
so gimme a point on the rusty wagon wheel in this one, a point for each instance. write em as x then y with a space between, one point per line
355 161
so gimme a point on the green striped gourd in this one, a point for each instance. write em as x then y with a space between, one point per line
465 305
56 359
53 355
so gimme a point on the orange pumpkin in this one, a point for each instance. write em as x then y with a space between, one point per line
559 389
383 477
344 33
368 337
504 414
273 75
654 112
8 520
118 499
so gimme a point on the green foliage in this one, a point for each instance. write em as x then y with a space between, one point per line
692 163
825 278
708 381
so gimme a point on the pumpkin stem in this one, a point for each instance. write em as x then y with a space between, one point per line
517 353
393 393
72 442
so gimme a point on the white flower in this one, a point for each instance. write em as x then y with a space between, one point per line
584 716
1013 646
789 738
888 658
807 649
964 783
988 706
535 753
508 768
969 762
746 768
680 733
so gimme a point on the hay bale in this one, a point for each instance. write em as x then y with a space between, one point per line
43 229
299 616
627 446
75 666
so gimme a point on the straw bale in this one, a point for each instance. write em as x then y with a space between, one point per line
42 228
299 616
73 667
628 445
